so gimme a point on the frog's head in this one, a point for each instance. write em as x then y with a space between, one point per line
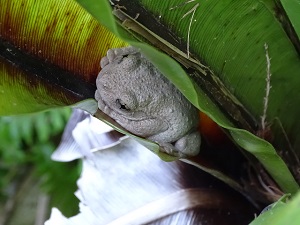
121 86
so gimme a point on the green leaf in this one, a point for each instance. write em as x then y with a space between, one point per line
268 157
281 213
49 54
228 37
90 106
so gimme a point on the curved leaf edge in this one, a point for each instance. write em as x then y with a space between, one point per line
291 9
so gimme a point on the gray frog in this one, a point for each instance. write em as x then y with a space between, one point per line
138 97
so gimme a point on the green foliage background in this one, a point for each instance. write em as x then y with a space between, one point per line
26 145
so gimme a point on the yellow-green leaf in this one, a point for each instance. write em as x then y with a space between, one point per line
49 54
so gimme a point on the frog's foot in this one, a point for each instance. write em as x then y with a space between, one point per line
112 54
189 145
170 149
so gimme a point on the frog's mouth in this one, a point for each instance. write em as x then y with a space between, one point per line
137 122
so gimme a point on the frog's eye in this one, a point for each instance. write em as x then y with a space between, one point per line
121 105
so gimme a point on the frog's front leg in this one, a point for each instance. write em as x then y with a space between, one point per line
184 147
112 54
188 145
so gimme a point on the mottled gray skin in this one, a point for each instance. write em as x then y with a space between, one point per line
138 97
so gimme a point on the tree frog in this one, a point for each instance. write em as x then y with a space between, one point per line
132 91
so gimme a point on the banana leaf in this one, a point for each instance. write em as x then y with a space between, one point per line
49 54
226 48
